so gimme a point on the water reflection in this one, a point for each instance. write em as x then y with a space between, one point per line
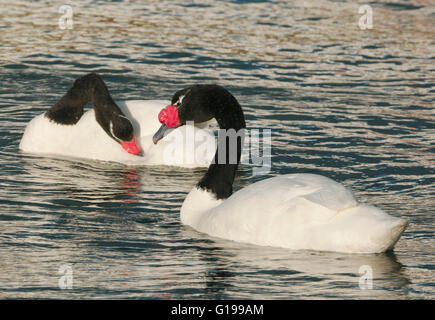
130 184
229 266
353 105
100 180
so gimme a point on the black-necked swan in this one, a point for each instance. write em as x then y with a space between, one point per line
296 211
110 131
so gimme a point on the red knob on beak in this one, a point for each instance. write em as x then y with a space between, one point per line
169 116
131 146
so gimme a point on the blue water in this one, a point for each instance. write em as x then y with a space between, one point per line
354 105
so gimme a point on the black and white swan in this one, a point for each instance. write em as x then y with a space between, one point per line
297 211
109 131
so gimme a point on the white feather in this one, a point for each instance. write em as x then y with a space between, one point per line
86 139
296 211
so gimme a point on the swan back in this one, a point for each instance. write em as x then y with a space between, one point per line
299 211
86 138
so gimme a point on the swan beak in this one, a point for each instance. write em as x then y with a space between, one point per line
131 146
161 133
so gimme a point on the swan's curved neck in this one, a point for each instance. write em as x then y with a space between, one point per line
220 175
90 88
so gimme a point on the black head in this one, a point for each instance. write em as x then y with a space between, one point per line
196 103
120 129
201 103
91 88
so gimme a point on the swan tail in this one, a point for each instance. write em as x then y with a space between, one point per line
369 229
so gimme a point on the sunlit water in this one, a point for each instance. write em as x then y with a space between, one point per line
354 105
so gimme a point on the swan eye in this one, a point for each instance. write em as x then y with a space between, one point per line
180 101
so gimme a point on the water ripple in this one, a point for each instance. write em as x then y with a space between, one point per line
354 105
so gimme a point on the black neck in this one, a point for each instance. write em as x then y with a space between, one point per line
90 88
220 175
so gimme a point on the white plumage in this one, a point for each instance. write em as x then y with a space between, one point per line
296 211
86 138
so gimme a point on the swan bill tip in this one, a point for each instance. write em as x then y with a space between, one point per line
161 133
131 146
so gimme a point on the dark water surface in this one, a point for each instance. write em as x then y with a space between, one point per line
354 105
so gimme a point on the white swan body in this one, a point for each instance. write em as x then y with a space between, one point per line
86 138
296 211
